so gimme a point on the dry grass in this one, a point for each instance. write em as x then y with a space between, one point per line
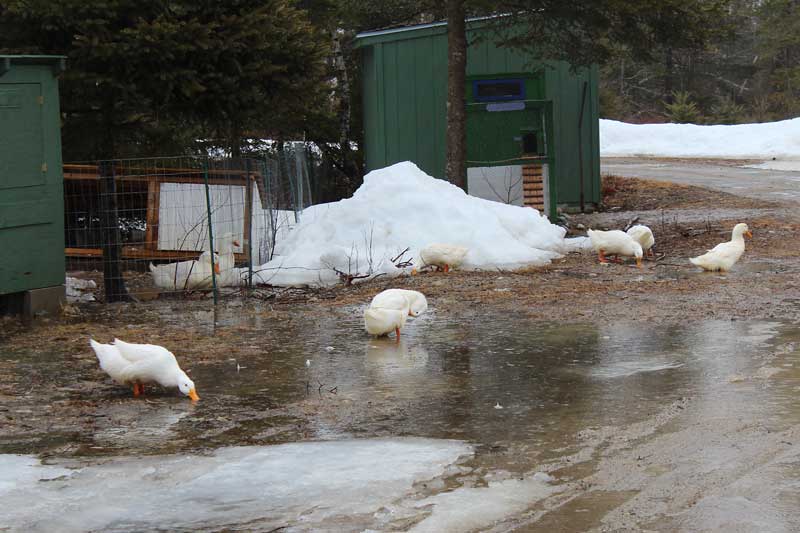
629 194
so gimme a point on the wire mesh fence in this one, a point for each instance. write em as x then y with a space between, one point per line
179 226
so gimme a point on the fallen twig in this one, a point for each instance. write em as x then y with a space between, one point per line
399 255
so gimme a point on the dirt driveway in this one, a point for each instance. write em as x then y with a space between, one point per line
734 177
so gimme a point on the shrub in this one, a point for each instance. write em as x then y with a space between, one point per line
682 109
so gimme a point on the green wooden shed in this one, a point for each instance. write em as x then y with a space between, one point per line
31 185
531 126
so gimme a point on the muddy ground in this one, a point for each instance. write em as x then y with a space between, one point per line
61 405
686 221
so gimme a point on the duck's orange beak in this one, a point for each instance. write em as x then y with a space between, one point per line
216 269
193 395
748 234
639 262
414 272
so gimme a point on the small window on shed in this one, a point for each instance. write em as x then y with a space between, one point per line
498 90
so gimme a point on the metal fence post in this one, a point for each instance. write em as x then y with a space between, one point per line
210 232
113 282
298 169
248 209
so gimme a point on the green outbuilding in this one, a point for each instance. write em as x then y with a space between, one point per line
31 185
532 127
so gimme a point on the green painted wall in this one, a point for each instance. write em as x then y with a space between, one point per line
31 179
404 76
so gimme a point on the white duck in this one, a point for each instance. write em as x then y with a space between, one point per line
644 236
185 275
724 255
392 314
615 242
390 299
228 275
138 364
443 256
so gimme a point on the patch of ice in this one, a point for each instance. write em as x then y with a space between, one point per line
23 472
469 509
623 369
766 372
741 141
401 207
786 165
303 484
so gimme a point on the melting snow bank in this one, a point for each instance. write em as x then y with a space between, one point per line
401 207
741 141
356 485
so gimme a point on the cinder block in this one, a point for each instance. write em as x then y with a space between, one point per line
45 300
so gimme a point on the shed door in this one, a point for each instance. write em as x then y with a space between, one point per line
21 141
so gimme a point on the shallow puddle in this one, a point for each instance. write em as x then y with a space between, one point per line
519 394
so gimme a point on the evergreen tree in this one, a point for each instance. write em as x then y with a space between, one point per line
150 77
682 109
778 48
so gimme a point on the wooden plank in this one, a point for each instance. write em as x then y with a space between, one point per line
162 179
532 171
162 175
137 252
153 171
153 205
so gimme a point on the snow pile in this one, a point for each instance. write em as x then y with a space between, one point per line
401 207
314 485
742 141
80 290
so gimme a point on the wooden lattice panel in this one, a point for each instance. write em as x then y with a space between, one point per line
533 186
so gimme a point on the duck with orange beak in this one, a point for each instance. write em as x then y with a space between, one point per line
724 255
140 364
615 242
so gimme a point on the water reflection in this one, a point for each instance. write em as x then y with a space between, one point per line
442 380
391 358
